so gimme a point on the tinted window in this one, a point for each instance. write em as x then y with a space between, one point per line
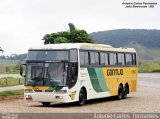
94 58
86 61
134 59
106 58
128 59
82 58
112 58
102 58
121 59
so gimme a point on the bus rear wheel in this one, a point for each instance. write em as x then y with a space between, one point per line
125 92
46 103
82 97
120 92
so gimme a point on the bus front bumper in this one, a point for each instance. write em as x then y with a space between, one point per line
48 97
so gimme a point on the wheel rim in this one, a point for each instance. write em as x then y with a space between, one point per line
125 92
120 93
82 97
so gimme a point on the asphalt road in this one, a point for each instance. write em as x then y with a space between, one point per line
10 75
149 79
146 99
11 88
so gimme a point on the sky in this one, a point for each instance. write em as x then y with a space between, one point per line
23 23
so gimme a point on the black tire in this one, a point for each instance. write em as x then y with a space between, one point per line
120 92
46 104
82 97
125 92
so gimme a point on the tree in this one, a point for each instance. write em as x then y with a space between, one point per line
72 36
80 36
71 27
49 38
61 40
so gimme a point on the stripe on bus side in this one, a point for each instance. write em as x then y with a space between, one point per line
101 79
97 79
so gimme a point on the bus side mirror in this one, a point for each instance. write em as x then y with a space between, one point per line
22 66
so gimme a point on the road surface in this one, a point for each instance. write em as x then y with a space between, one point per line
146 99
11 88
10 75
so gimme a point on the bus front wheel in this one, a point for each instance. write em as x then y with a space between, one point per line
82 97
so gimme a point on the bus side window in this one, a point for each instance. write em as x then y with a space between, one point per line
82 58
121 59
96 58
102 58
128 59
112 58
106 58
134 59
86 59
92 58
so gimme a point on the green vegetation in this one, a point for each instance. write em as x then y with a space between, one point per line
10 93
73 35
149 66
9 66
9 81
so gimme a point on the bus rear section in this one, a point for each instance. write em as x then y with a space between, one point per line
108 71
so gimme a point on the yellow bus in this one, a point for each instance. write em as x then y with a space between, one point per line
77 72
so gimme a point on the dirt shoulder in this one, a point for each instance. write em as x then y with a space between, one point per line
9 98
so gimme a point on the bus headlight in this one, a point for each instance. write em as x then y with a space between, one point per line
59 97
28 97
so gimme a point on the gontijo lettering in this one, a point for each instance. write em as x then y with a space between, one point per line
114 72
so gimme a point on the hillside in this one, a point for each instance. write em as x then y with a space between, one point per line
146 42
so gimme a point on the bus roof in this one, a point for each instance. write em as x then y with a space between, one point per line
84 46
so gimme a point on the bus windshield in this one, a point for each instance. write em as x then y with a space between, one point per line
43 55
51 67
46 74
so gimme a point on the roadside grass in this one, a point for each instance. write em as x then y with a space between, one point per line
10 81
9 66
10 93
149 66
